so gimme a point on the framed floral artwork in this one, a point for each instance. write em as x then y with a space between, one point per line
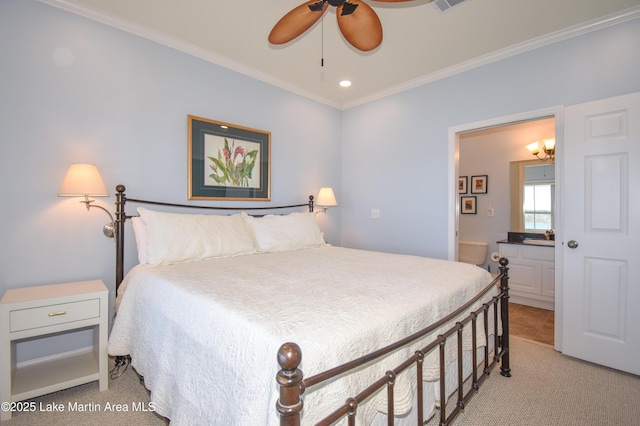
462 184
468 205
228 162
479 184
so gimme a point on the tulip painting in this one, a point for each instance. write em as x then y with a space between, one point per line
228 162
234 164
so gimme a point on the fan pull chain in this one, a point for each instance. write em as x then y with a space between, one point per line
322 41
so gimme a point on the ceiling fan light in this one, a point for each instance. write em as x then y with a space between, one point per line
345 83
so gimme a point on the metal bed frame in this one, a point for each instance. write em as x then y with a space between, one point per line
292 382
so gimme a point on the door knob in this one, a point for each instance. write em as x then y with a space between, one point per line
572 244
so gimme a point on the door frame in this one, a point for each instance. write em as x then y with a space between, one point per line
454 207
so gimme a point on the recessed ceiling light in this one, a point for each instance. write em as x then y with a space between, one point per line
345 83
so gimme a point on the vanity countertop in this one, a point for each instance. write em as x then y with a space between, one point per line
541 243
528 238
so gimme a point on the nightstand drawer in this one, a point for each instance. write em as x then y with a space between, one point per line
45 316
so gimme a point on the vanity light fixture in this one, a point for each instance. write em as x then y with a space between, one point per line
548 147
83 180
326 198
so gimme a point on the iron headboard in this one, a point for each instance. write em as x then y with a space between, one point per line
121 218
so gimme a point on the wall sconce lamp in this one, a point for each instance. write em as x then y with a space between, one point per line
326 198
548 147
83 180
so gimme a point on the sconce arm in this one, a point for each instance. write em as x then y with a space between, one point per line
109 229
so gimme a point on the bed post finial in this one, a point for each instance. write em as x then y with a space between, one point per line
311 203
505 367
289 379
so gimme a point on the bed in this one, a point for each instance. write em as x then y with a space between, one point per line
223 313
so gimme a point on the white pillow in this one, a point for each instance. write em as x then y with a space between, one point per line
174 238
140 234
293 231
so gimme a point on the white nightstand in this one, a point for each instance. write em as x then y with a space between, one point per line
28 313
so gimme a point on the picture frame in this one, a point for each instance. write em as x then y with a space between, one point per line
468 205
228 162
462 184
479 184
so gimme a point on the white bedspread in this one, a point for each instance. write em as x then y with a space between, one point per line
205 334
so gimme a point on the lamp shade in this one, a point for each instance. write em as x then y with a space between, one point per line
534 147
326 198
549 144
81 180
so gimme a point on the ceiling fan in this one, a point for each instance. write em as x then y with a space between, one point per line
358 22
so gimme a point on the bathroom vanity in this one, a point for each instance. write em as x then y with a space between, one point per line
531 270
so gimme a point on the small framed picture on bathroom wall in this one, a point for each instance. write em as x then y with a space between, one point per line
462 184
468 205
479 184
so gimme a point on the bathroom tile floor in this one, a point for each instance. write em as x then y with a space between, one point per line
531 323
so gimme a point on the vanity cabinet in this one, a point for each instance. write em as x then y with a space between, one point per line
531 273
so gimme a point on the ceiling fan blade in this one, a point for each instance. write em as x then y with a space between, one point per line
392 1
296 22
362 28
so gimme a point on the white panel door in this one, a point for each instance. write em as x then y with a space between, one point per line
601 228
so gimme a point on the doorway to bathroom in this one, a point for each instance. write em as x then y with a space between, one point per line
511 175
595 218
493 155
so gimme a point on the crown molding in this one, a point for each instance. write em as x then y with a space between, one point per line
184 47
547 39
206 55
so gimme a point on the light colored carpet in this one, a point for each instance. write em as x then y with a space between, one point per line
546 389
125 392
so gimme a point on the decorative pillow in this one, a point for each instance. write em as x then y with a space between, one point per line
293 231
140 234
174 238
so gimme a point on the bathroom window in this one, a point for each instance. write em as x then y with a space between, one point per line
538 206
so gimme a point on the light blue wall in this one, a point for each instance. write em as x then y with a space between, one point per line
395 150
73 90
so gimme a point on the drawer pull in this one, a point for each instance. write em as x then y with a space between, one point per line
57 314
